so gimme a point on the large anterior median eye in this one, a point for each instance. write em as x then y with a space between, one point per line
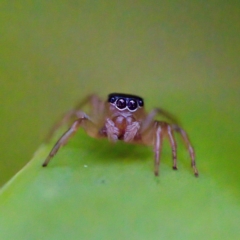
121 103
132 104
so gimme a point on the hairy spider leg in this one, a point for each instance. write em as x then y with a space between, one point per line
164 129
65 137
64 120
157 147
147 122
75 113
189 147
166 114
173 144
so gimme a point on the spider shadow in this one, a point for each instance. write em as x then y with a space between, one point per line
101 151
105 152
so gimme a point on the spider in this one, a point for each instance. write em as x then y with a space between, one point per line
122 117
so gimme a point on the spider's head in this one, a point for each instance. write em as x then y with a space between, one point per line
125 102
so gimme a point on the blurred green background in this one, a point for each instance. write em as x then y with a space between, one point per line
180 55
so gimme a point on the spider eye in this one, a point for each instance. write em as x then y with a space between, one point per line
121 103
112 99
132 104
140 102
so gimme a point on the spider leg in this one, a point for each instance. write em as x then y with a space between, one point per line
76 113
88 99
65 137
147 122
173 145
166 114
162 130
157 147
189 146
65 120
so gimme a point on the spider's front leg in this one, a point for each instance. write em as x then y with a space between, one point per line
75 113
65 137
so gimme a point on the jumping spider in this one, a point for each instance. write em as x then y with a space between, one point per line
122 117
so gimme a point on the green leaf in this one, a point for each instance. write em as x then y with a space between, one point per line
96 190
182 57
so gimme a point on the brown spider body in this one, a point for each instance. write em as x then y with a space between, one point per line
122 117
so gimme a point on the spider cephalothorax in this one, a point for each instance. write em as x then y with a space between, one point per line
122 117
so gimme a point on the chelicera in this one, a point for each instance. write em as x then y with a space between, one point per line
123 117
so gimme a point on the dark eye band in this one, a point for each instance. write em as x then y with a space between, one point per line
122 101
